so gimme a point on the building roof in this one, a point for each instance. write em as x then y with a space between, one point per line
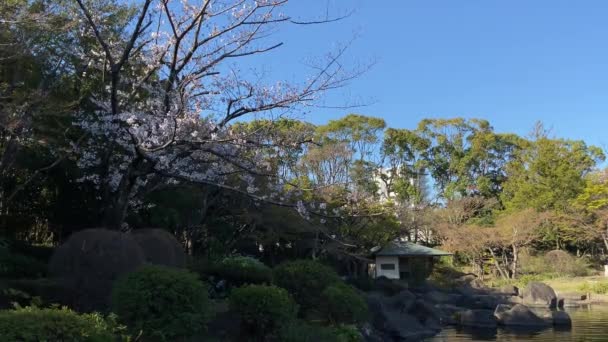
404 248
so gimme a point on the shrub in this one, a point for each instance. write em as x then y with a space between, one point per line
299 331
444 276
56 324
14 265
597 288
201 266
240 270
161 302
160 247
305 280
363 283
263 309
564 263
90 261
48 290
42 253
343 304
554 264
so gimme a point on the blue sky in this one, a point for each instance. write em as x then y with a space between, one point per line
511 62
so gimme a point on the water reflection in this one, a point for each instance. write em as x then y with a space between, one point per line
588 324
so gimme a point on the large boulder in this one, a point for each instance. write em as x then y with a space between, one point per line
517 315
478 318
448 313
561 318
539 294
395 317
554 317
488 302
426 314
90 261
470 284
403 301
160 247
438 297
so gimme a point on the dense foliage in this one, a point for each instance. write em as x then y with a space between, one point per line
343 304
263 309
113 117
306 280
304 332
32 324
240 270
161 303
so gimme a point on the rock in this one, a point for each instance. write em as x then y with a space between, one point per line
393 322
465 279
513 300
509 290
427 314
555 317
403 301
488 302
478 318
539 294
517 315
561 318
370 334
438 297
469 284
448 313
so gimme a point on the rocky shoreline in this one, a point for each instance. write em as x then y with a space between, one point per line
406 314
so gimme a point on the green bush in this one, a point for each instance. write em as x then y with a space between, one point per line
305 280
48 290
56 324
597 288
201 266
363 283
300 331
444 275
42 253
161 302
554 264
16 266
343 304
240 270
263 309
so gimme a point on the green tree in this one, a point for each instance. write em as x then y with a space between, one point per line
548 174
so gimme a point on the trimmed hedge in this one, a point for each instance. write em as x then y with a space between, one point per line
241 270
56 324
161 302
13 265
263 309
305 280
300 331
342 303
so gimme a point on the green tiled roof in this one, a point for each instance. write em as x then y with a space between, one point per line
409 249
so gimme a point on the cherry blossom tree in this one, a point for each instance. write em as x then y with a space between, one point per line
171 94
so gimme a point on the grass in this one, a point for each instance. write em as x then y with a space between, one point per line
590 284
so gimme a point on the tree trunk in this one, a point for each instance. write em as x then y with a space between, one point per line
502 272
117 202
515 261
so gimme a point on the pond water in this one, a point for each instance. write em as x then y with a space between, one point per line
589 323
